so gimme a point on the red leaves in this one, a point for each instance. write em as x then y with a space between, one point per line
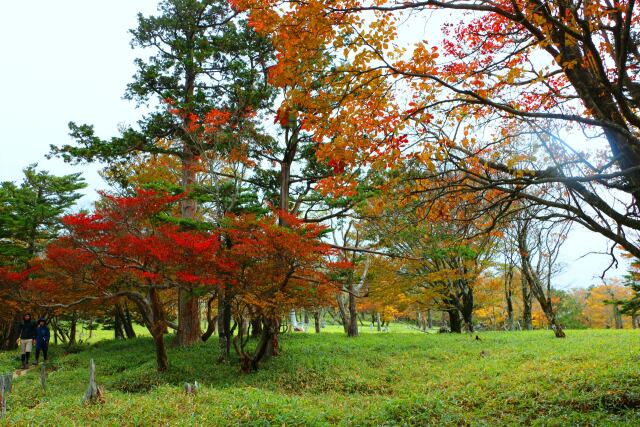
212 121
215 119
338 166
285 117
277 267
126 240
125 245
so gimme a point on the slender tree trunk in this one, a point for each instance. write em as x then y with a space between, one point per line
265 347
527 323
553 321
90 327
352 330
72 329
224 327
508 295
429 319
534 283
344 315
378 321
158 329
212 321
509 300
316 321
118 331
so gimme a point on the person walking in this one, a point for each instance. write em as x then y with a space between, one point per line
42 340
27 339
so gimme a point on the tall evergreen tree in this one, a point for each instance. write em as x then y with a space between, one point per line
30 212
203 59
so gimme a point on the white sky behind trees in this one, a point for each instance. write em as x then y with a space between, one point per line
70 60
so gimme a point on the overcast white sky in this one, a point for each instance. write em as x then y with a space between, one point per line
70 60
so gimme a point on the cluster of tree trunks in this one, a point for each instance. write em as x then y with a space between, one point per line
9 332
123 323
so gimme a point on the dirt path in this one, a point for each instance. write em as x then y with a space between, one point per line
20 372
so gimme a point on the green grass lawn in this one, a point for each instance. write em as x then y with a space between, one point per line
398 378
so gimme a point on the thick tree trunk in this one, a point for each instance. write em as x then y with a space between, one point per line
189 331
467 308
72 329
162 362
379 326
265 347
118 331
293 321
454 320
273 343
256 328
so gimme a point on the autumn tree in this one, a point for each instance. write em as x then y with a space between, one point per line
603 306
129 248
276 268
538 246
559 75
12 301
30 215
203 78
445 248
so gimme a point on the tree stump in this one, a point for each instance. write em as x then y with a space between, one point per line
191 388
93 393
5 387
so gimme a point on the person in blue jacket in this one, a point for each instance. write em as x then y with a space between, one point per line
42 339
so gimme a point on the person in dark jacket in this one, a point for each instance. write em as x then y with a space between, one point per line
42 339
27 339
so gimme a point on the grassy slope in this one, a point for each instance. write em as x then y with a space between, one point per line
398 378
